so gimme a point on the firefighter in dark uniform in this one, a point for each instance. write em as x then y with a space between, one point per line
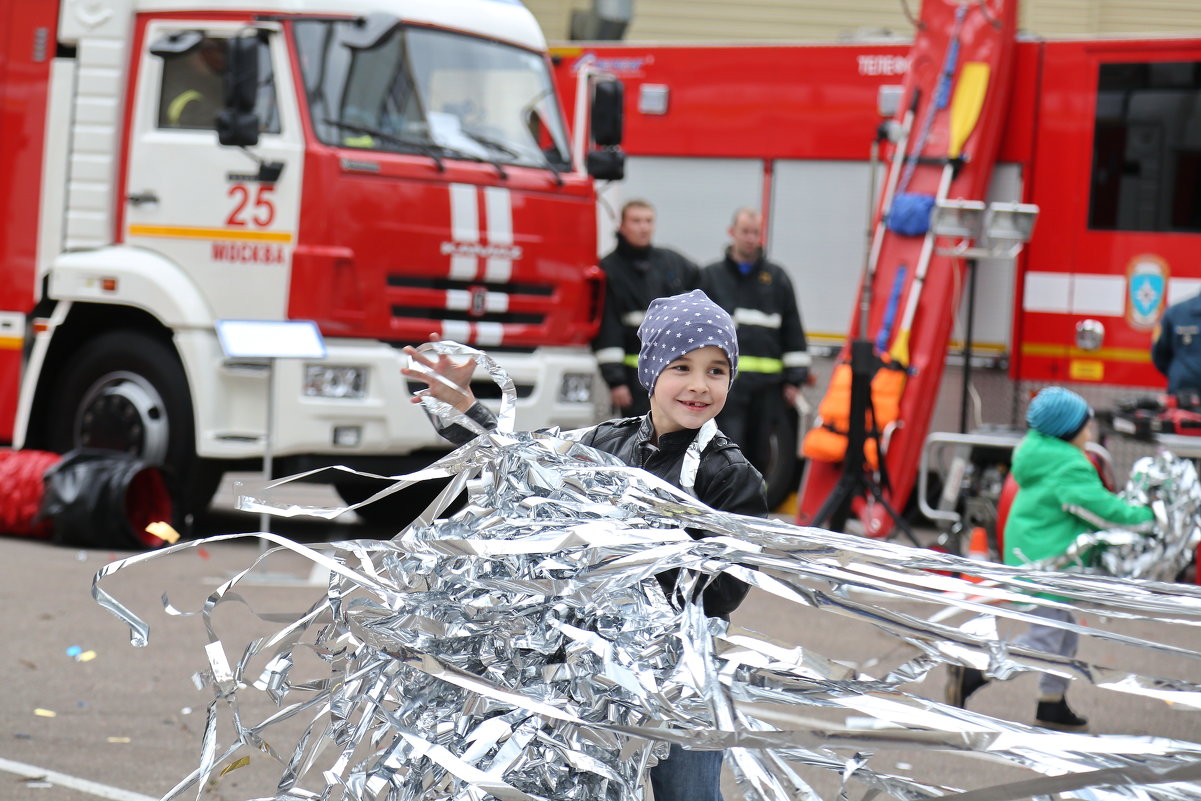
636 273
1176 349
774 360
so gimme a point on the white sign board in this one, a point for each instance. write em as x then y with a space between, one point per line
270 339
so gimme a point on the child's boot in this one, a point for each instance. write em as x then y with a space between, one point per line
1056 714
962 682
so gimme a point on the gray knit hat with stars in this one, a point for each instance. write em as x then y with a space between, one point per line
680 324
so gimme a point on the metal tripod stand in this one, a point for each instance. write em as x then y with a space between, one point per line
858 479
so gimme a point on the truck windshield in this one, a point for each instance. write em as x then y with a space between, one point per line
433 92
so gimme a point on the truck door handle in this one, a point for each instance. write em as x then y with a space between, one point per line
142 197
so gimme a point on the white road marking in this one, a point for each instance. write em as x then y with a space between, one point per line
71 782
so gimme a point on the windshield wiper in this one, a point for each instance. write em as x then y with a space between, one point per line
499 147
495 144
553 169
425 148
437 151
513 152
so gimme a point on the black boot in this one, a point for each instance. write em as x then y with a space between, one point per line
962 682
1058 715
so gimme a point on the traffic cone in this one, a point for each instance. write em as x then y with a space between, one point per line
978 546
977 549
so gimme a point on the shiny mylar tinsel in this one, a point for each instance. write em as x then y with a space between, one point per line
522 648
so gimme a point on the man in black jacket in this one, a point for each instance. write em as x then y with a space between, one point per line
775 359
636 273
1176 345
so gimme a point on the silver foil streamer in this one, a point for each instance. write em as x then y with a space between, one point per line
1161 550
523 649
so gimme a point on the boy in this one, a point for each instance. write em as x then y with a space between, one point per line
1059 494
688 359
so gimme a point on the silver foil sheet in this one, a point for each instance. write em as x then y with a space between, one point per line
1160 550
522 648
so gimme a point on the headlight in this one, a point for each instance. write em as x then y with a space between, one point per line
576 388
331 381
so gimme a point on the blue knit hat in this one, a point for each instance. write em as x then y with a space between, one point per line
680 324
1058 412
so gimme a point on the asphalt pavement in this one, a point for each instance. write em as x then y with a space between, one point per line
86 715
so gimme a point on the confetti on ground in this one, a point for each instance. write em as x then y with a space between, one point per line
45 713
164 532
241 763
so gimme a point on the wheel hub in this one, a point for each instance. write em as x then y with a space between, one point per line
124 412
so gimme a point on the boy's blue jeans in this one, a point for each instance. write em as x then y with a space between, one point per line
688 776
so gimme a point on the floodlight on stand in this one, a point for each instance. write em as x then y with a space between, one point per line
962 220
1010 223
998 229
958 219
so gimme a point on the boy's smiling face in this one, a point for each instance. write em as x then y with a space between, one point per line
691 390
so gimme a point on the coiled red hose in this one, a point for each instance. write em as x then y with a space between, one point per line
21 490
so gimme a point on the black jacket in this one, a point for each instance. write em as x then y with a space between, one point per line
633 278
1176 351
725 480
771 339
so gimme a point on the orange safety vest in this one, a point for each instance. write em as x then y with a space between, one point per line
828 442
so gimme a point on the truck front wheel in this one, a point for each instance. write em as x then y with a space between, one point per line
126 391
781 470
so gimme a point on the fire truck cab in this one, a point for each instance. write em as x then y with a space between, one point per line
390 170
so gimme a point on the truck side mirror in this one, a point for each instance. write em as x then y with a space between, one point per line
607 165
607 109
237 124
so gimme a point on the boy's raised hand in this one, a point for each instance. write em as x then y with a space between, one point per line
442 365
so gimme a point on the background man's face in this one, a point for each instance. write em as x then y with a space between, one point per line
746 237
638 226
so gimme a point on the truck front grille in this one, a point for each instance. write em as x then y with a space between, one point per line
418 298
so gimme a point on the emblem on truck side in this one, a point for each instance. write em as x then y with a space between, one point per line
478 301
1146 288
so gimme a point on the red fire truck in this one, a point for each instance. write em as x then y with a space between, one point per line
1104 135
387 170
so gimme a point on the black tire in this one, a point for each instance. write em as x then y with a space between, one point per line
781 470
397 510
127 391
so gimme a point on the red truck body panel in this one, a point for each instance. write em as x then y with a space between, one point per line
24 75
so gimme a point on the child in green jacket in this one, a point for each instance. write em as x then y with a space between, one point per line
1060 496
